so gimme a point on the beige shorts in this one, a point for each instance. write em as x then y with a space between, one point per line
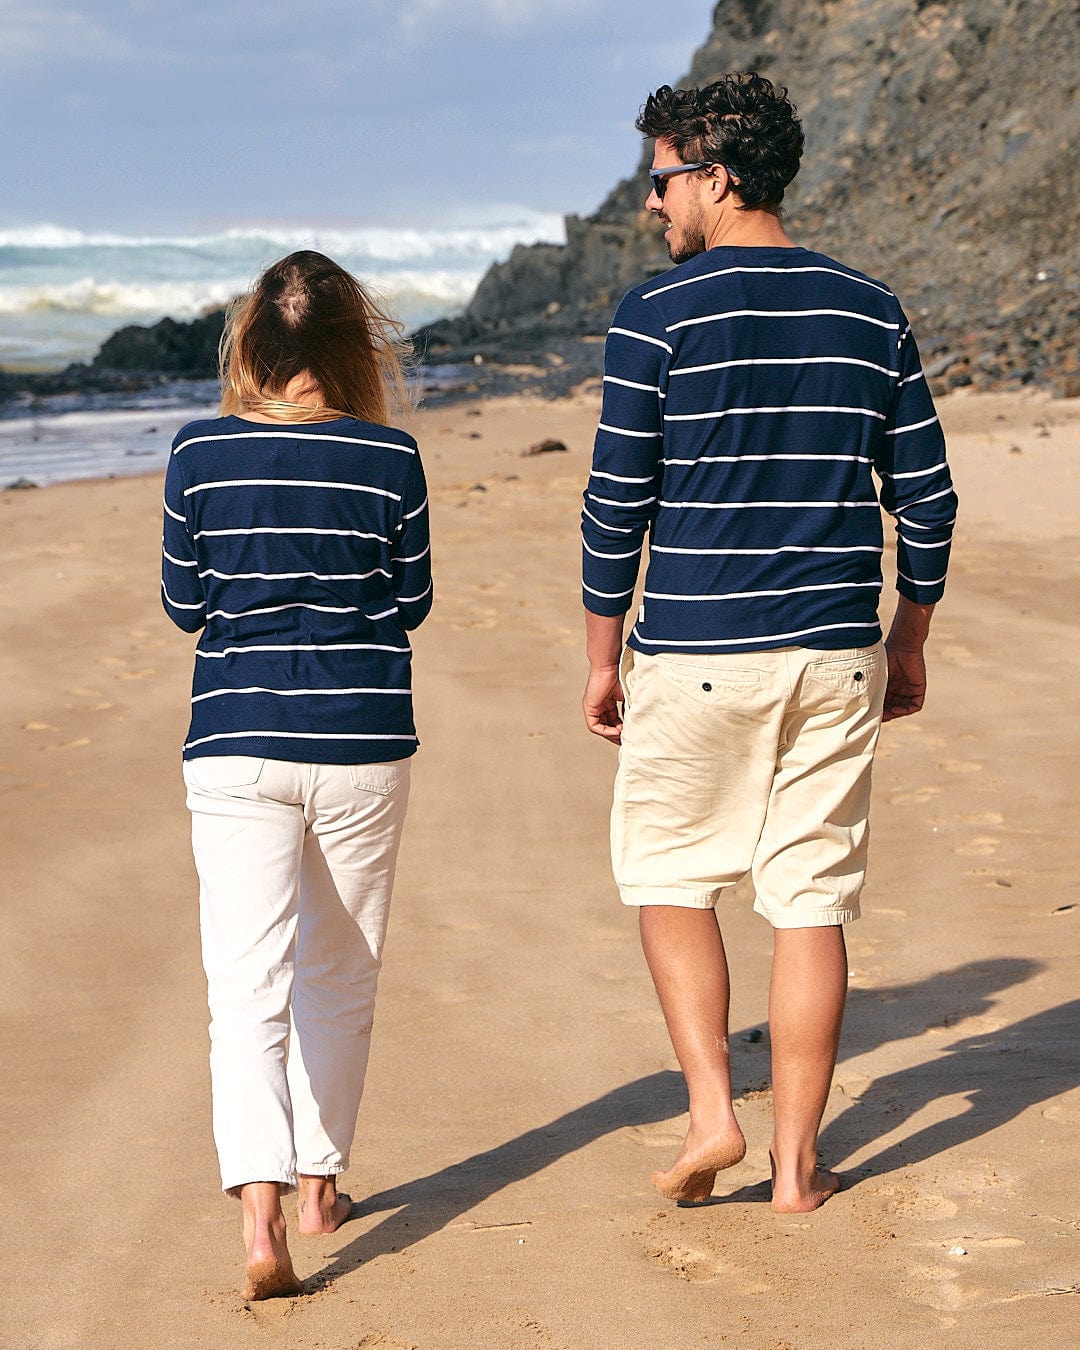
755 763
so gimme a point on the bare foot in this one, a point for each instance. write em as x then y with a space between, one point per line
320 1208
269 1271
693 1174
791 1197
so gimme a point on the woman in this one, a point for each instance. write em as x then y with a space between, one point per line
296 538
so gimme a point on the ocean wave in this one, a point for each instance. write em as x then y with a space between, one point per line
409 289
376 242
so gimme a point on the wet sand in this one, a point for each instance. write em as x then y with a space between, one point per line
521 1089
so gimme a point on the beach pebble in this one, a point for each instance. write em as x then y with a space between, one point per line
753 1036
958 1251
547 447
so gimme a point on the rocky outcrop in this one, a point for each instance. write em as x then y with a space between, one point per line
943 155
168 347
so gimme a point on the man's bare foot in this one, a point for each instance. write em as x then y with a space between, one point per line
320 1207
793 1197
271 1279
268 1272
693 1174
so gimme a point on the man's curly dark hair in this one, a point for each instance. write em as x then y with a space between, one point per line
742 121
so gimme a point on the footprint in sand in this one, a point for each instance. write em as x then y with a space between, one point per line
981 846
983 818
688 1263
39 726
960 766
76 744
914 796
662 1134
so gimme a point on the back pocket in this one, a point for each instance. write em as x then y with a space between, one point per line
710 684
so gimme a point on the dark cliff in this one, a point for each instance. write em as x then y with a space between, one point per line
943 155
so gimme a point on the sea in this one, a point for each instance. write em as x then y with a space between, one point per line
64 291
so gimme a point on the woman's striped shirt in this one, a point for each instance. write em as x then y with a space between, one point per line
751 398
301 551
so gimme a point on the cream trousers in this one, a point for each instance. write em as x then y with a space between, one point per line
296 866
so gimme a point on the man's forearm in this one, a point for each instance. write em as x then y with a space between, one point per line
603 638
910 625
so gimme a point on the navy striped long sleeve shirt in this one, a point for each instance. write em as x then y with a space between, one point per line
754 399
301 551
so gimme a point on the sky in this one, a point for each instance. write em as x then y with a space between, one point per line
150 115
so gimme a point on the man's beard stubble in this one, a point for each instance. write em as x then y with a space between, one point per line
688 242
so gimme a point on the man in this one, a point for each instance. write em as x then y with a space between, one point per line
752 395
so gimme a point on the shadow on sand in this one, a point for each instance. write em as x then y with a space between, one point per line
999 1073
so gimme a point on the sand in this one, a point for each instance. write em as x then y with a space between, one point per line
522 1089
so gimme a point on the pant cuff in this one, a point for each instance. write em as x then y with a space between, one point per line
685 897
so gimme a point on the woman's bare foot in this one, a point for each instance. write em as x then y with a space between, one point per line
792 1196
320 1208
693 1174
269 1269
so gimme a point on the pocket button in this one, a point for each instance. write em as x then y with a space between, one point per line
707 687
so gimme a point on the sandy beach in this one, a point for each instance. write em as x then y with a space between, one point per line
522 1088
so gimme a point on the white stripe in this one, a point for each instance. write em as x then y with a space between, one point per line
291 482
178 562
788 408
618 477
302 647
608 501
753 595
736 642
632 384
293 693
385 614
933 497
918 581
170 512
622 431
916 473
782 271
415 557
289 529
914 524
410 514
175 604
607 595
912 544
277 609
292 436
634 553
769 552
755 506
764 459
919 375
786 361
780 314
293 576
616 529
641 337
294 736
915 426
408 600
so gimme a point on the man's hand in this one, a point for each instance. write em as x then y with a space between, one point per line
603 695
906 689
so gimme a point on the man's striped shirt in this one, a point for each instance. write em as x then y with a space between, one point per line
302 553
751 398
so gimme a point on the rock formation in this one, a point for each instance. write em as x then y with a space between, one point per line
943 155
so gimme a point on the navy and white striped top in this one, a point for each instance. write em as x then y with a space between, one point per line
750 395
302 552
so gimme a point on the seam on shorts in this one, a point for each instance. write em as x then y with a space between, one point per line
681 896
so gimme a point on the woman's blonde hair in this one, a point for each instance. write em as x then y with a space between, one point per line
306 316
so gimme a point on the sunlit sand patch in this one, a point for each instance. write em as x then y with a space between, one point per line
76 744
39 726
961 766
983 818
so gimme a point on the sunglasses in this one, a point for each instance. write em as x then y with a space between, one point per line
660 176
